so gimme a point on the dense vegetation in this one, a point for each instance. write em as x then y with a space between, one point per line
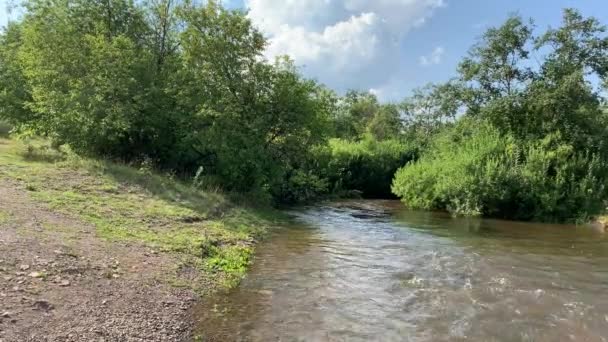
530 141
366 165
180 87
183 87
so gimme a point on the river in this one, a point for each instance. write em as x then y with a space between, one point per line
374 271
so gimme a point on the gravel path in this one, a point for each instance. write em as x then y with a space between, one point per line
60 282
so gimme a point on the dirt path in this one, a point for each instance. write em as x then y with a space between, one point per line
60 282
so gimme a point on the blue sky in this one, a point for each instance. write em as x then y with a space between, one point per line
388 46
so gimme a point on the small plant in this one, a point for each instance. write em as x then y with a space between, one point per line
4 216
198 180
146 167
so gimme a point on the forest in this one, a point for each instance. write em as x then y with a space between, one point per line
519 132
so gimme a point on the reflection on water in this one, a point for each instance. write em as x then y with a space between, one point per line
372 271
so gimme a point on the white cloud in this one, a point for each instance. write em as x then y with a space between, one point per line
434 58
347 44
343 43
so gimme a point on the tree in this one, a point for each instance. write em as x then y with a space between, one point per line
531 143
14 90
430 109
86 64
561 98
579 45
355 110
386 123
254 119
496 73
495 63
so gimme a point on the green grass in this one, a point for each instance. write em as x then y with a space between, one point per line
204 228
4 216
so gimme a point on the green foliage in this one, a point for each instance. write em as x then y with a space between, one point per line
360 113
495 62
87 68
258 119
386 123
233 260
473 169
175 85
14 90
429 110
300 186
183 87
368 148
366 166
452 175
531 142
353 112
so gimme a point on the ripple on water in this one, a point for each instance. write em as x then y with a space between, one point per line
352 272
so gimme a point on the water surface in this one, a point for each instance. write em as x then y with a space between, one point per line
373 271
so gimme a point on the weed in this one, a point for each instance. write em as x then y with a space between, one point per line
4 216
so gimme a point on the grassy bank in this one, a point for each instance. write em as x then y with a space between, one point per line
205 229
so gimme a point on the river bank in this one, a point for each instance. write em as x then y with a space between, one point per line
91 250
600 224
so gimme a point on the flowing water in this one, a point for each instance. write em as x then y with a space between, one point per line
373 271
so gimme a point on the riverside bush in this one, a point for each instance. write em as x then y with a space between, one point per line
367 165
478 171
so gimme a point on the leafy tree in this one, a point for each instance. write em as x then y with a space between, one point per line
86 64
386 123
254 119
539 151
430 109
496 73
577 46
495 63
14 90
562 99
355 111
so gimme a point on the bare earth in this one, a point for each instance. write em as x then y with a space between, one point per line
69 285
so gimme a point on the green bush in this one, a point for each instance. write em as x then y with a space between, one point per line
299 187
474 170
367 165
108 88
5 129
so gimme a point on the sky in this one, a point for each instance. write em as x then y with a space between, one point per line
389 47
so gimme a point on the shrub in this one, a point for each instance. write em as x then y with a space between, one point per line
299 187
474 170
367 165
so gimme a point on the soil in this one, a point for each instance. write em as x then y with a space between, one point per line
60 282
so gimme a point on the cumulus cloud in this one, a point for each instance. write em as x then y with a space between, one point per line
433 58
343 43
